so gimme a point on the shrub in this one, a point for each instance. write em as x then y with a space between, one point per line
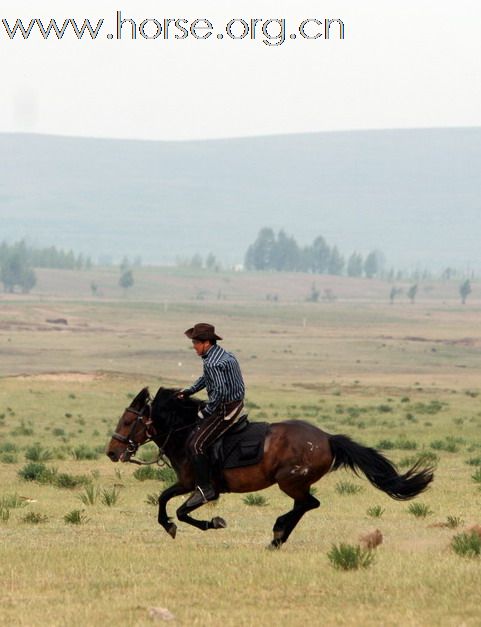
75 517
474 461
8 458
37 453
65 480
8 447
84 451
420 510
34 471
349 557
145 473
376 511
346 487
256 500
109 496
467 544
22 429
89 495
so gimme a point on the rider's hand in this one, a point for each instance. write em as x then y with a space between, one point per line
183 394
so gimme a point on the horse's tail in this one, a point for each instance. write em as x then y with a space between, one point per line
378 469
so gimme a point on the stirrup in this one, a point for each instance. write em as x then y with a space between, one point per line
200 496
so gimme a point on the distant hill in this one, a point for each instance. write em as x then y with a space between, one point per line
414 194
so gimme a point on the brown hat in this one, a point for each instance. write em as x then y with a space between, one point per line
203 332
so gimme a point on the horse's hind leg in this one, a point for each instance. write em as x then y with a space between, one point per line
215 523
285 524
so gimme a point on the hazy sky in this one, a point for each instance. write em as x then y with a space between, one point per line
410 64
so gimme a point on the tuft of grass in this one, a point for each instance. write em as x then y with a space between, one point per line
109 496
347 487
34 518
467 544
420 510
89 495
37 453
376 511
350 557
426 457
474 461
477 476
146 473
34 471
453 521
75 517
65 480
255 499
84 451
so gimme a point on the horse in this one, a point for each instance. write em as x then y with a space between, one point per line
296 455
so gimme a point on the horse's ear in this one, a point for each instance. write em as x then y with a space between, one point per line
142 398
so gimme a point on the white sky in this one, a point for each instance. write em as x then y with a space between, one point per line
410 64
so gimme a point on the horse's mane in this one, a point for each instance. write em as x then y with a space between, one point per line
172 412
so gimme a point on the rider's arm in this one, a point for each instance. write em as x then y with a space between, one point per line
195 387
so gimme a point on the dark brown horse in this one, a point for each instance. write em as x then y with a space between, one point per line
296 455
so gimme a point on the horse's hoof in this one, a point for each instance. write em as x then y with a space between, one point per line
275 545
172 530
218 523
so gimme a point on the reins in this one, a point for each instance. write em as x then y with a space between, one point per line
133 446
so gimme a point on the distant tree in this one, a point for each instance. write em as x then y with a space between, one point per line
126 279
371 266
211 262
336 262
94 288
259 255
355 265
412 291
286 255
465 290
16 271
320 255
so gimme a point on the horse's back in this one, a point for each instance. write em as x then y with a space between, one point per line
290 447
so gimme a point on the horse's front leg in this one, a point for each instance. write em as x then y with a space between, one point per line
174 490
215 523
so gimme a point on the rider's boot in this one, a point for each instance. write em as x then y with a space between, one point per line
204 490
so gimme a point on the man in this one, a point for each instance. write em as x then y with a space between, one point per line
225 388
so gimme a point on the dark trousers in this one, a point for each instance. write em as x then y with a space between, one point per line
211 428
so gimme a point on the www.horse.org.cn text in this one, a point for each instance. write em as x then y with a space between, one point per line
272 32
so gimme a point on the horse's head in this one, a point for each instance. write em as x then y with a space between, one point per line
133 430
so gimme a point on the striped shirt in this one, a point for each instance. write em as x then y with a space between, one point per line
222 378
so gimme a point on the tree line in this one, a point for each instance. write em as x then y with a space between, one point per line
18 260
282 253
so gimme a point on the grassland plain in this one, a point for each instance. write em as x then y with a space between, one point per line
403 378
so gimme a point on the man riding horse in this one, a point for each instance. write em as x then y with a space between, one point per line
223 381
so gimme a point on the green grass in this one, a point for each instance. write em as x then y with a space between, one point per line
75 517
257 500
85 574
376 511
467 544
109 496
419 510
348 488
349 557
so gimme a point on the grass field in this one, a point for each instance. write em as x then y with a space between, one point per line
404 378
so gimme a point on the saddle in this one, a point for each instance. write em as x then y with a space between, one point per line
242 445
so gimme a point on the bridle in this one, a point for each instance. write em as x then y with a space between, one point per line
132 444
150 433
